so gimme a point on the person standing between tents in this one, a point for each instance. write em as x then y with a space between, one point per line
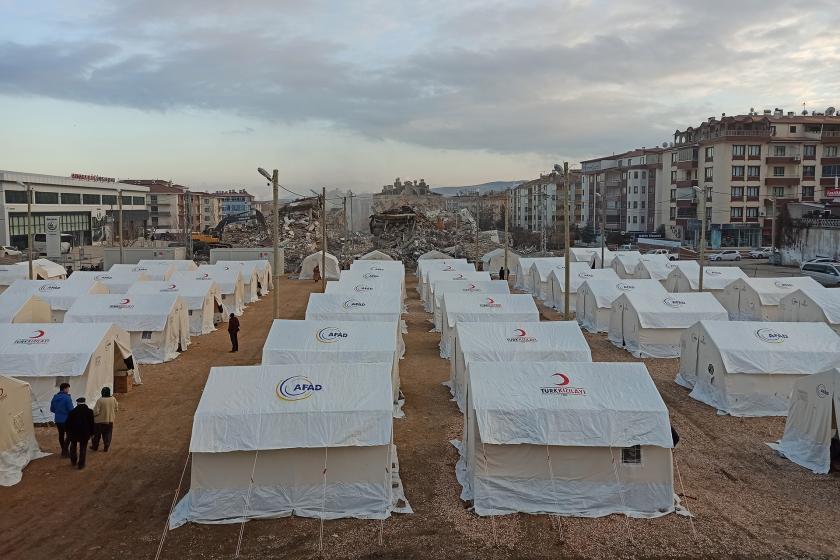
233 331
104 414
60 406
501 273
80 426
316 273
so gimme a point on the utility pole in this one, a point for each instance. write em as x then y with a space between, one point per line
29 227
507 244
702 234
568 242
773 234
323 239
188 223
120 237
477 214
275 235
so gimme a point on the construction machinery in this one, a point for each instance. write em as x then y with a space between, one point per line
247 216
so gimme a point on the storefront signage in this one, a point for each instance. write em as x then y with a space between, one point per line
97 178
832 193
53 237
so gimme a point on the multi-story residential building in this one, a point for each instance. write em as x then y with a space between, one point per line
537 205
166 205
234 202
624 187
211 211
744 166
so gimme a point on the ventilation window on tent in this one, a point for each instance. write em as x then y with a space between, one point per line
147 335
190 312
631 455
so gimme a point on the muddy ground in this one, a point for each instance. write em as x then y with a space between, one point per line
747 502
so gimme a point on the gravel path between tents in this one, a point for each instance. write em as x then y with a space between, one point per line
747 501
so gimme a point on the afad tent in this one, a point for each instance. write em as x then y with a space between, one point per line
522 274
577 439
372 287
609 257
202 299
757 299
539 271
585 254
389 277
477 287
377 266
230 283
375 256
542 276
59 294
813 421
812 306
307 267
624 263
265 279
579 272
426 267
250 280
595 298
747 368
9 273
434 256
20 308
45 269
661 268
158 324
47 354
495 260
153 272
18 445
334 342
179 264
436 276
365 307
310 440
458 306
117 281
546 341
686 277
650 326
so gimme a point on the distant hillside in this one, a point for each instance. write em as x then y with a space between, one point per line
494 186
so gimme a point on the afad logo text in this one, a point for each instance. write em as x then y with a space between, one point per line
49 287
625 287
771 335
362 288
561 386
296 388
783 285
369 275
352 304
519 335
103 277
673 302
124 303
37 337
328 335
490 303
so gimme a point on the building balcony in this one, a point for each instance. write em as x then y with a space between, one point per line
754 157
830 161
686 183
736 219
782 181
753 219
686 213
828 181
831 136
787 158
730 133
752 199
688 164
808 198
737 178
736 198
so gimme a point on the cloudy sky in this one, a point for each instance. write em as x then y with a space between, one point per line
353 94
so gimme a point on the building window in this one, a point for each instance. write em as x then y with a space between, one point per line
809 170
829 151
673 157
738 150
793 129
779 192
628 219
109 199
673 194
831 170
779 151
737 192
643 189
631 455
635 205
736 212
808 192
810 151
737 170
752 193
635 174
636 189
91 199
15 197
46 197
643 205
642 220
71 198
753 171
778 171
644 174
710 153
635 219
673 213
673 176
752 212
708 173
755 150
138 200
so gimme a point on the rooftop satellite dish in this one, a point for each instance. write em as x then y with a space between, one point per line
830 111
664 144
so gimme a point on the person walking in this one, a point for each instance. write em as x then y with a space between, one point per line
60 406
104 414
233 331
80 426
316 273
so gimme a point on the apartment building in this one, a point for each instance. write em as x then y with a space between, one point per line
741 166
537 205
211 211
166 204
234 202
624 188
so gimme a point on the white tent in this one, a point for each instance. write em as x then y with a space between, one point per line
21 308
11 272
48 354
522 274
439 264
540 269
579 272
250 280
433 255
426 267
375 256
306 440
748 368
334 342
813 420
595 298
371 287
158 324
609 257
495 260
377 266
202 299
585 254
757 299
155 272
661 268
383 307
45 269
117 282
458 306
624 263
435 276
815 306
18 445
59 294
390 278
686 277
179 264
477 287
650 326
230 283
576 439
546 341
263 270
307 267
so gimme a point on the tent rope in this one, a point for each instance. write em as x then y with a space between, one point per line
556 517
621 495
492 517
682 486
323 504
172 507
247 505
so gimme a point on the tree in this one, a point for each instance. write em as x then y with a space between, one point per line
587 234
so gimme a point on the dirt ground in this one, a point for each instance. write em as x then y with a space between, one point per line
747 502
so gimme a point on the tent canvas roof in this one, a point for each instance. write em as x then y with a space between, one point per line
579 272
433 255
546 265
49 349
60 294
251 408
116 281
659 269
48 268
355 307
377 266
477 286
193 292
607 291
714 277
465 307
674 310
136 312
11 272
376 255
521 341
771 290
226 279
571 404
179 264
11 304
317 341
828 300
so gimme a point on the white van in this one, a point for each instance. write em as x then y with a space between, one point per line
40 243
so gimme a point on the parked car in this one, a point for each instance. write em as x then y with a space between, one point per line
826 273
819 260
727 255
760 253
9 251
671 256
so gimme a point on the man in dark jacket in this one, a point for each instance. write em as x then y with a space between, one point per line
80 426
233 331
60 406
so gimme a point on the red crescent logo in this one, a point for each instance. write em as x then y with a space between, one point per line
125 301
471 287
520 332
172 286
459 277
38 334
206 275
227 268
491 301
564 379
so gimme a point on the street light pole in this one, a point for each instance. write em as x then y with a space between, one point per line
120 201
323 239
773 234
28 188
507 219
702 234
275 228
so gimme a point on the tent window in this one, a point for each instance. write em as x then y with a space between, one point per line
189 312
631 455
147 335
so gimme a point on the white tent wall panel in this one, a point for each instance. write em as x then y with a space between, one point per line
18 445
308 264
477 287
